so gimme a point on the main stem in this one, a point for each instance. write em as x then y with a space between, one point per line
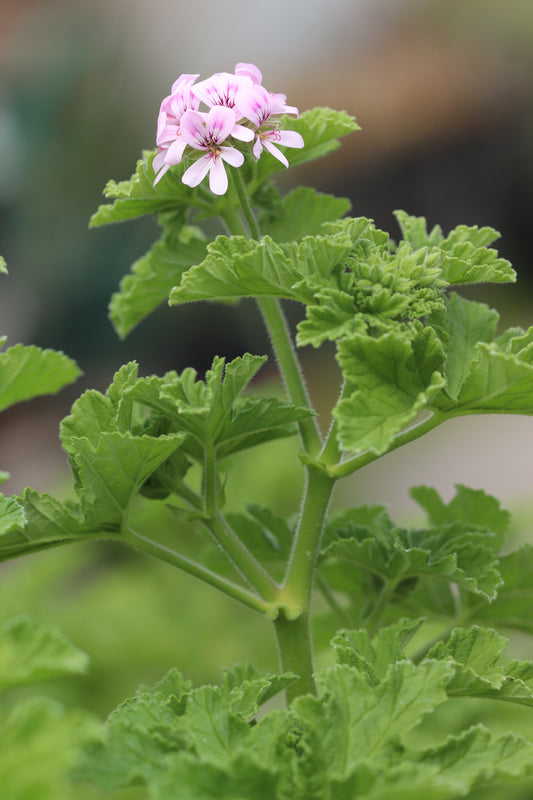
292 624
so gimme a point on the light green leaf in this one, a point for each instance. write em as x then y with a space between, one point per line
138 196
461 326
496 383
39 745
353 722
456 552
395 377
302 213
153 276
237 267
512 606
111 473
28 371
12 517
49 523
31 653
238 779
465 257
3 265
320 128
476 655
472 506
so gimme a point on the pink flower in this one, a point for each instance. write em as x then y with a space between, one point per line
259 106
168 138
222 89
207 132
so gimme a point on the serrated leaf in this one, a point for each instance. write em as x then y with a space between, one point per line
396 377
301 213
354 722
237 267
373 658
455 552
512 606
12 517
462 325
465 257
28 371
153 276
41 734
30 653
476 655
320 129
468 505
111 473
138 196
49 523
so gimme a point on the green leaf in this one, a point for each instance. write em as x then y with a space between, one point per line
12 517
240 778
153 276
94 413
48 523
237 267
138 196
302 213
39 745
354 722
28 371
461 326
320 128
512 606
112 473
396 377
3 265
373 658
471 506
476 655
31 653
465 257
456 552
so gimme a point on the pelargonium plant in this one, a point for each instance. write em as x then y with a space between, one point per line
415 615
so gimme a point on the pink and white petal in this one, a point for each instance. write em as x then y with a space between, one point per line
165 168
242 133
232 156
197 171
289 139
275 152
175 151
193 130
220 123
158 160
218 180
183 80
257 149
249 70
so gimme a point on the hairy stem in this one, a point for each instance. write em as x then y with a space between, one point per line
159 551
296 653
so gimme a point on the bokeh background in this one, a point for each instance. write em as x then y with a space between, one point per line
443 91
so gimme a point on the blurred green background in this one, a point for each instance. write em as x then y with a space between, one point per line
443 92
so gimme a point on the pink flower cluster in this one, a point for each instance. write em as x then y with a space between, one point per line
239 108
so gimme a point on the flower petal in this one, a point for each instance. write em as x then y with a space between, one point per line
220 123
218 180
232 156
275 152
192 127
161 172
197 171
242 133
175 151
249 70
289 139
